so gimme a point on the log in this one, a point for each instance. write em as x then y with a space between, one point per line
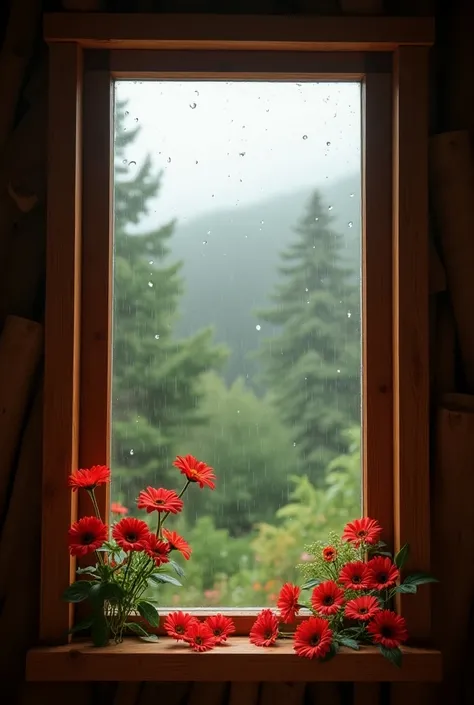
453 537
21 345
23 28
452 182
20 547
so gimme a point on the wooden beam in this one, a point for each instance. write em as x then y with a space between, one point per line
411 339
162 31
61 392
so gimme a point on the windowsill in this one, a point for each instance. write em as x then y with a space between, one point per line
238 661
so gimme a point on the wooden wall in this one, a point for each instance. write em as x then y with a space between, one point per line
23 97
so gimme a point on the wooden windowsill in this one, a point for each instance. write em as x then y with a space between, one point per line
238 661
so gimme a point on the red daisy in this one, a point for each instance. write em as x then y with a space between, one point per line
327 597
382 573
313 638
131 534
329 554
288 602
362 608
221 627
177 543
118 508
157 549
388 629
199 636
86 535
177 623
89 478
196 471
363 530
355 576
159 500
265 629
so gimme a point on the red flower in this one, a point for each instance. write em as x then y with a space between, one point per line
199 636
288 602
196 471
177 543
363 608
221 627
265 629
157 549
177 623
118 508
355 576
86 535
329 554
388 629
131 534
159 500
363 530
382 573
313 638
327 598
88 479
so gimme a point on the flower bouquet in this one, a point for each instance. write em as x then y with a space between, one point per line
132 559
353 580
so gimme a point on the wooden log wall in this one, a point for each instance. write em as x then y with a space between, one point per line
23 118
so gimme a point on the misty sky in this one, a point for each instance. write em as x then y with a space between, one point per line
228 144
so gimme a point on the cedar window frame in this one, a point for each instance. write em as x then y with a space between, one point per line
390 56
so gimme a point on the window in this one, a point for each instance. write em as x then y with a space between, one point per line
387 61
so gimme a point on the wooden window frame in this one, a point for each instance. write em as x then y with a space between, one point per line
390 57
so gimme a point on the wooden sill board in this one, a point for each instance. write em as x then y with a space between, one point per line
238 661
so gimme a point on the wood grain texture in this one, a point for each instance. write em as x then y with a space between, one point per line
377 370
162 31
411 338
61 390
238 661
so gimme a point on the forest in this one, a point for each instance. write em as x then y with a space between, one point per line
247 355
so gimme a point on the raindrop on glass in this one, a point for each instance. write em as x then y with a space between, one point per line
349 314
197 161
150 284
124 161
351 195
306 289
127 112
157 337
169 160
330 208
193 105
132 164
196 92
328 144
132 451
150 262
136 119
204 242
338 372
350 224
257 327
241 154
305 137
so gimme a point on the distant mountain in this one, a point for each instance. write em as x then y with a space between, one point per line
230 264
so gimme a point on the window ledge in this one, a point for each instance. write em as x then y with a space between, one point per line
238 661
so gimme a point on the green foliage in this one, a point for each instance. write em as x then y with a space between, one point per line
155 376
252 451
313 364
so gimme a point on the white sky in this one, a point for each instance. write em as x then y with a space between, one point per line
226 144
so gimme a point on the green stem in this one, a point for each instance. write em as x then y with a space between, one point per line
158 528
94 503
188 482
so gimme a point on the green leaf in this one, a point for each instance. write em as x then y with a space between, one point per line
419 579
177 568
350 643
392 655
99 630
150 637
84 571
78 591
406 588
383 553
402 556
159 578
112 591
81 626
310 584
136 628
149 612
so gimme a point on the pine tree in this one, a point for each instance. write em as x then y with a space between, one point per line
312 366
155 376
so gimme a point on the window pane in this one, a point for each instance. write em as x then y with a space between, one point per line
237 331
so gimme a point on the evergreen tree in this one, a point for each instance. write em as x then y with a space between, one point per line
312 366
155 376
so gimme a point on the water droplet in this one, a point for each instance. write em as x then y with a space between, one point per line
150 262
238 411
132 164
127 112
351 195
262 222
169 160
338 372
305 137
316 219
350 224
204 242
294 445
124 161
349 314
132 451
150 284
306 289
330 208
307 302
136 119
197 161
196 92
328 144
258 327
241 154
193 105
